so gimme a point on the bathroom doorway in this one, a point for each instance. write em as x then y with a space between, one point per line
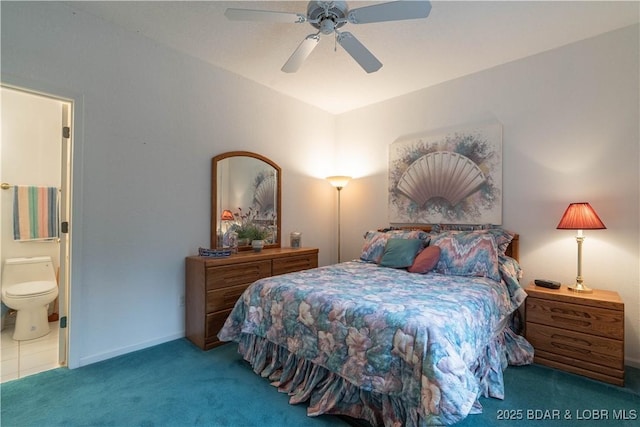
36 148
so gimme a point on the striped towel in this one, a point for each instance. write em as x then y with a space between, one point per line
35 213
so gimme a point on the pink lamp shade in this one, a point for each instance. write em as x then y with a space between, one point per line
580 216
226 215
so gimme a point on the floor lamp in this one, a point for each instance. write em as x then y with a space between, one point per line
580 216
339 182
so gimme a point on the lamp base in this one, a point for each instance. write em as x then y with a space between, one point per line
579 287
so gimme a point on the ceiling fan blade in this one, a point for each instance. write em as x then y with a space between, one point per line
301 53
358 52
392 11
263 15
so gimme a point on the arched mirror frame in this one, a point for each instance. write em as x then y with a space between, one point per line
215 210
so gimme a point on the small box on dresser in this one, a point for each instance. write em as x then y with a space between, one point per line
582 333
213 285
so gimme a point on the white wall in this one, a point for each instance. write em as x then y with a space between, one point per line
570 134
151 121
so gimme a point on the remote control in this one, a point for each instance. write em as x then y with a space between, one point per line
545 283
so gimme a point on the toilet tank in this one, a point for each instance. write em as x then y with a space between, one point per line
18 270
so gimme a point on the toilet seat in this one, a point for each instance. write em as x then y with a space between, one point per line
30 289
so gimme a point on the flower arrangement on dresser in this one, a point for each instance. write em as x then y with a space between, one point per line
249 227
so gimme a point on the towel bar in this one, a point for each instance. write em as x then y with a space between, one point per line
6 186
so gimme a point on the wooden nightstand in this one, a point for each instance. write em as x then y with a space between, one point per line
578 333
213 285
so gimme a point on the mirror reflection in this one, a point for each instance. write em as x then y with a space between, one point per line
245 200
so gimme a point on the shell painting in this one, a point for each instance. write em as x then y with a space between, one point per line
444 174
451 176
265 194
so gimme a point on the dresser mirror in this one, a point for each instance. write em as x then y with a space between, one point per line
245 197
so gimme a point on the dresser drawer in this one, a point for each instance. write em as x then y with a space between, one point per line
294 263
221 299
213 324
213 286
576 345
237 274
591 320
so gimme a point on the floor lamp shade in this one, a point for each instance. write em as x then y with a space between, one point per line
339 181
580 216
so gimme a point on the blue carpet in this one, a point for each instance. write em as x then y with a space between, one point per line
177 384
172 384
541 396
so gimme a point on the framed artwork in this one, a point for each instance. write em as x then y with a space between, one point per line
451 176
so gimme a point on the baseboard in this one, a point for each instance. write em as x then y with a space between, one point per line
634 363
84 361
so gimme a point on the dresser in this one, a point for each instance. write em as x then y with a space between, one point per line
213 285
577 332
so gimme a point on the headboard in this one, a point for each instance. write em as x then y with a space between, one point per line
513 250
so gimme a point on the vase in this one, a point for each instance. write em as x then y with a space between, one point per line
257 245
233 242
296 239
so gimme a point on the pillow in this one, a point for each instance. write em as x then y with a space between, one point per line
375 242
400 253
502 236
467 253
426 260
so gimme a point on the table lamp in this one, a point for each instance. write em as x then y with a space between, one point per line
580 216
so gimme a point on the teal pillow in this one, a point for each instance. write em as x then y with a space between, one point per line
400 253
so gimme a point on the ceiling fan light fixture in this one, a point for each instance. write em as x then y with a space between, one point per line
327 26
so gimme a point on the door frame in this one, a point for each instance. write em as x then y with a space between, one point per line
70 272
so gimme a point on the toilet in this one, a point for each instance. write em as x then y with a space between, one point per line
28 286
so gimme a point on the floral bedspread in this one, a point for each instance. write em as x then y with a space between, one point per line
419 349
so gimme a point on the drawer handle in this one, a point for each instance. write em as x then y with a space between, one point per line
564 339
571 348
575 322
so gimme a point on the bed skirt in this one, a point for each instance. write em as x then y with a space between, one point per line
329 393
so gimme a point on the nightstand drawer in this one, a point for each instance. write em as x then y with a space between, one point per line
576 345
590 320
237 274
221 299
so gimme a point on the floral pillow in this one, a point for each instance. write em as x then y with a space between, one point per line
375 242
467 253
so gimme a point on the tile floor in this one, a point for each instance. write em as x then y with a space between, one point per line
23 358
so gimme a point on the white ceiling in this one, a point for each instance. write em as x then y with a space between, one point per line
457 39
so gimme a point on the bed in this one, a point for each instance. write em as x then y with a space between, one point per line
413 333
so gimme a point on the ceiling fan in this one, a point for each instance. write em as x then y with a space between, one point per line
328 17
